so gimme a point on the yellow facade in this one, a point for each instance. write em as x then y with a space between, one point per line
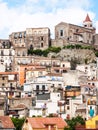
92 123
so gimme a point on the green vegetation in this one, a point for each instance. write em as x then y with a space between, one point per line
44 52
18 122
96 53
75 121
78 46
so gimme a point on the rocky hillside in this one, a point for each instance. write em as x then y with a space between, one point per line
82 55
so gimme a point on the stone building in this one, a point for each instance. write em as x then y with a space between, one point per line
38 38
32 38
66 33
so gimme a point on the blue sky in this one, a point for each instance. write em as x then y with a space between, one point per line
17 15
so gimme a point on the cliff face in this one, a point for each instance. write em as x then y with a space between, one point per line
82 55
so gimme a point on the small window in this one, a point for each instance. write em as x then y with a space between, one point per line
90 25
68 107
3 84
42 38
15 35
20 40
41 44
20 35
10 84
23 53
24 34
2 53
37 87
43 87
61 32
63 65
3 78
77 30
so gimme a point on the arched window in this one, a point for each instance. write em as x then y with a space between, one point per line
61 33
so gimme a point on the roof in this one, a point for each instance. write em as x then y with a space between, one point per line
41 122
81 110
6 122
87 19
8 73
19 107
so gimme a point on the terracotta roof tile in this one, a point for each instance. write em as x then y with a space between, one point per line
6 122
40 122
8 73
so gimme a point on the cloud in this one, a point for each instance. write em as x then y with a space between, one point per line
41 13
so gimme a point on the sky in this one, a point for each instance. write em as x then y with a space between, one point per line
17 15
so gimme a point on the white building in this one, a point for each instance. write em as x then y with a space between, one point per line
46 106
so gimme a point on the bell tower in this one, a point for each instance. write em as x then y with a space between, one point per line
87 23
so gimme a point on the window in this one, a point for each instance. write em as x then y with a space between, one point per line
3 78
43 87
18 53
20 35
61 32
15 35
10 52
68 107
90 25
42 38
10 84
2 53
3 84
37 87
41 44
77 30
23 54
63 65
20 40
15 41
24 34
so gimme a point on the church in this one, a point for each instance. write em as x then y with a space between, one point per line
66 33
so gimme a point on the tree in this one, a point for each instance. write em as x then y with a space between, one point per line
96 53
18 123
72 123
73 63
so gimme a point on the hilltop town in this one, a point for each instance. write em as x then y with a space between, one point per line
41 76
